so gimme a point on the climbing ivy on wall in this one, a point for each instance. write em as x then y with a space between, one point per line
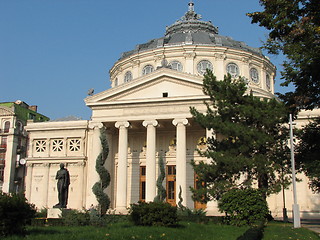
98 188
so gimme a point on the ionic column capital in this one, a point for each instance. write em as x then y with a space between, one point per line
178 121
146 123
122 124
93 125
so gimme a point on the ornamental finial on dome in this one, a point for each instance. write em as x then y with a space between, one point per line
191 6
191 15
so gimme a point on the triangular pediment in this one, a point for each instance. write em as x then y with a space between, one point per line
161 85
5 111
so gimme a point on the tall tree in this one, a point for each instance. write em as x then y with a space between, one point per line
252 144
294 27
308 153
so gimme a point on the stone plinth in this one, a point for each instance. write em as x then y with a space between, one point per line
54 213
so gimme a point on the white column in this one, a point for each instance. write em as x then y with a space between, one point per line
121 196
151 159
181 159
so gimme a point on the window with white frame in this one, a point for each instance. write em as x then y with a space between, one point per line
6 127
203 65
147 69
268 81
128 77
254 75
233 70
176 65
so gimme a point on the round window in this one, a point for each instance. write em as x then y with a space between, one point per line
203 66
233 70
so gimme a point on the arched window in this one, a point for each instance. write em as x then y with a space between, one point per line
19 126
268 81
176 65
128 77
254 75
116 82
6 126
203 66
233 70
147 69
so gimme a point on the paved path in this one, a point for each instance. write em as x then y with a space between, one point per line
312 224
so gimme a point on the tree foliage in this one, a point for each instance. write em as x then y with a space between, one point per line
98 188
294 27
308 153
15 213
252 143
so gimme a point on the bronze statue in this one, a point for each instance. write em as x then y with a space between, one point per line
63 178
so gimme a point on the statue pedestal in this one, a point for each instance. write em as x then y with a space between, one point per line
54 213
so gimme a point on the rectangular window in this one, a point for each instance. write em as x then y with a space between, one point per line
171 184
3 142
1 173
2 159
142 194
32 116
165 94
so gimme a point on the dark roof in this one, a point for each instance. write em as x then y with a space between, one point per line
191 30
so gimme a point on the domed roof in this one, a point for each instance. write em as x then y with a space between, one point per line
190 30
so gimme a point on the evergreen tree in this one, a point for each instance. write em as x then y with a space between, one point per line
98 188
308 153
252 147
294 30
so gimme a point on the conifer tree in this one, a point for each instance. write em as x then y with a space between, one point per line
252 146
98 188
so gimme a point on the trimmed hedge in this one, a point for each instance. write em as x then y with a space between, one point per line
153 214
244 207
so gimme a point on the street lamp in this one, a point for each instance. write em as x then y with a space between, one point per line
295 206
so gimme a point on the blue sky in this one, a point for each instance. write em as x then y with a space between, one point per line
53 51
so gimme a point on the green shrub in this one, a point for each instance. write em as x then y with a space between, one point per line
71 217
153 214
15 213
42 213
195 215
244 207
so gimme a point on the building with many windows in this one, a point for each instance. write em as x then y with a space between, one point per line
14 116
145 115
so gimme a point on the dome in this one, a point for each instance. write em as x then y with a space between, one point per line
190 46
189 29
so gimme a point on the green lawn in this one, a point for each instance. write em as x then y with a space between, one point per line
186 231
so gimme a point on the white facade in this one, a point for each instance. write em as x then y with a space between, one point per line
146 114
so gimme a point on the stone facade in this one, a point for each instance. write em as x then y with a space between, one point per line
146 116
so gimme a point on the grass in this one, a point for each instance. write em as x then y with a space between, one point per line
184 231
